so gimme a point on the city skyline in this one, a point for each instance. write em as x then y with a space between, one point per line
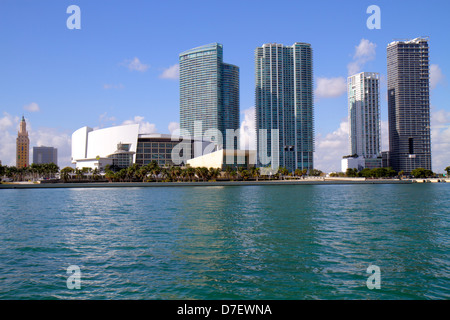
104 74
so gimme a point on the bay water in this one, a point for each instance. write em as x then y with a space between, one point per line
230 242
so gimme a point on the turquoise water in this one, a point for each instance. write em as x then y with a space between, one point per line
241 242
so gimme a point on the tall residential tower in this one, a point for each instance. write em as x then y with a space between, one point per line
409 105
284 101
364 114
209 91
22 146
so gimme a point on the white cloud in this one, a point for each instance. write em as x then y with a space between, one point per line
144 126
136 65
108 86
364 52
173 72
32 107
8 134
6 122
104 119
330 87
436 76
248 130
440 140
331 148
173 126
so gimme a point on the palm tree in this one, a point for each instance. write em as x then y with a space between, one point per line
298 172
233 174
202 173
84 172
206 174
190 172
245 174
228 171
78 174
198 173
214 173
53 169
95 174
11 172
2 171
33 170
165 173
156 171
240 171
177 173
109 175
132 171
255 172
65 173
184 175
447 169
283 171
121 174
141 173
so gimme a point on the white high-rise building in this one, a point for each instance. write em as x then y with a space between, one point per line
364 121
364 114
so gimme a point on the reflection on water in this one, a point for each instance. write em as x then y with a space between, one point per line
240 242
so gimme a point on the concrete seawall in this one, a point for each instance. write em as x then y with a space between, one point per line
199 184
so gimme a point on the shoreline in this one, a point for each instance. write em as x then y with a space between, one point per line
197 184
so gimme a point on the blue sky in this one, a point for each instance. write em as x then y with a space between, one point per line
111 70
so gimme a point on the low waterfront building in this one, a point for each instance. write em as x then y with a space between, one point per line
122 146
225 158
360 163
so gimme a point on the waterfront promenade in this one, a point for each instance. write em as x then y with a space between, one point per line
310 181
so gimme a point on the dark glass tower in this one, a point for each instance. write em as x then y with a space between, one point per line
284 101
209 91
409 105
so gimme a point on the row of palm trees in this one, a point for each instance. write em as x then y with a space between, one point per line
33 172
149 172
153 172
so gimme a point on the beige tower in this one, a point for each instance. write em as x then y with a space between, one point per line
23 146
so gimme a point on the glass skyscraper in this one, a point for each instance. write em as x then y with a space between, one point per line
409 105
284 101
209 91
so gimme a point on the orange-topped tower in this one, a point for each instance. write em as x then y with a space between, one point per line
23 146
